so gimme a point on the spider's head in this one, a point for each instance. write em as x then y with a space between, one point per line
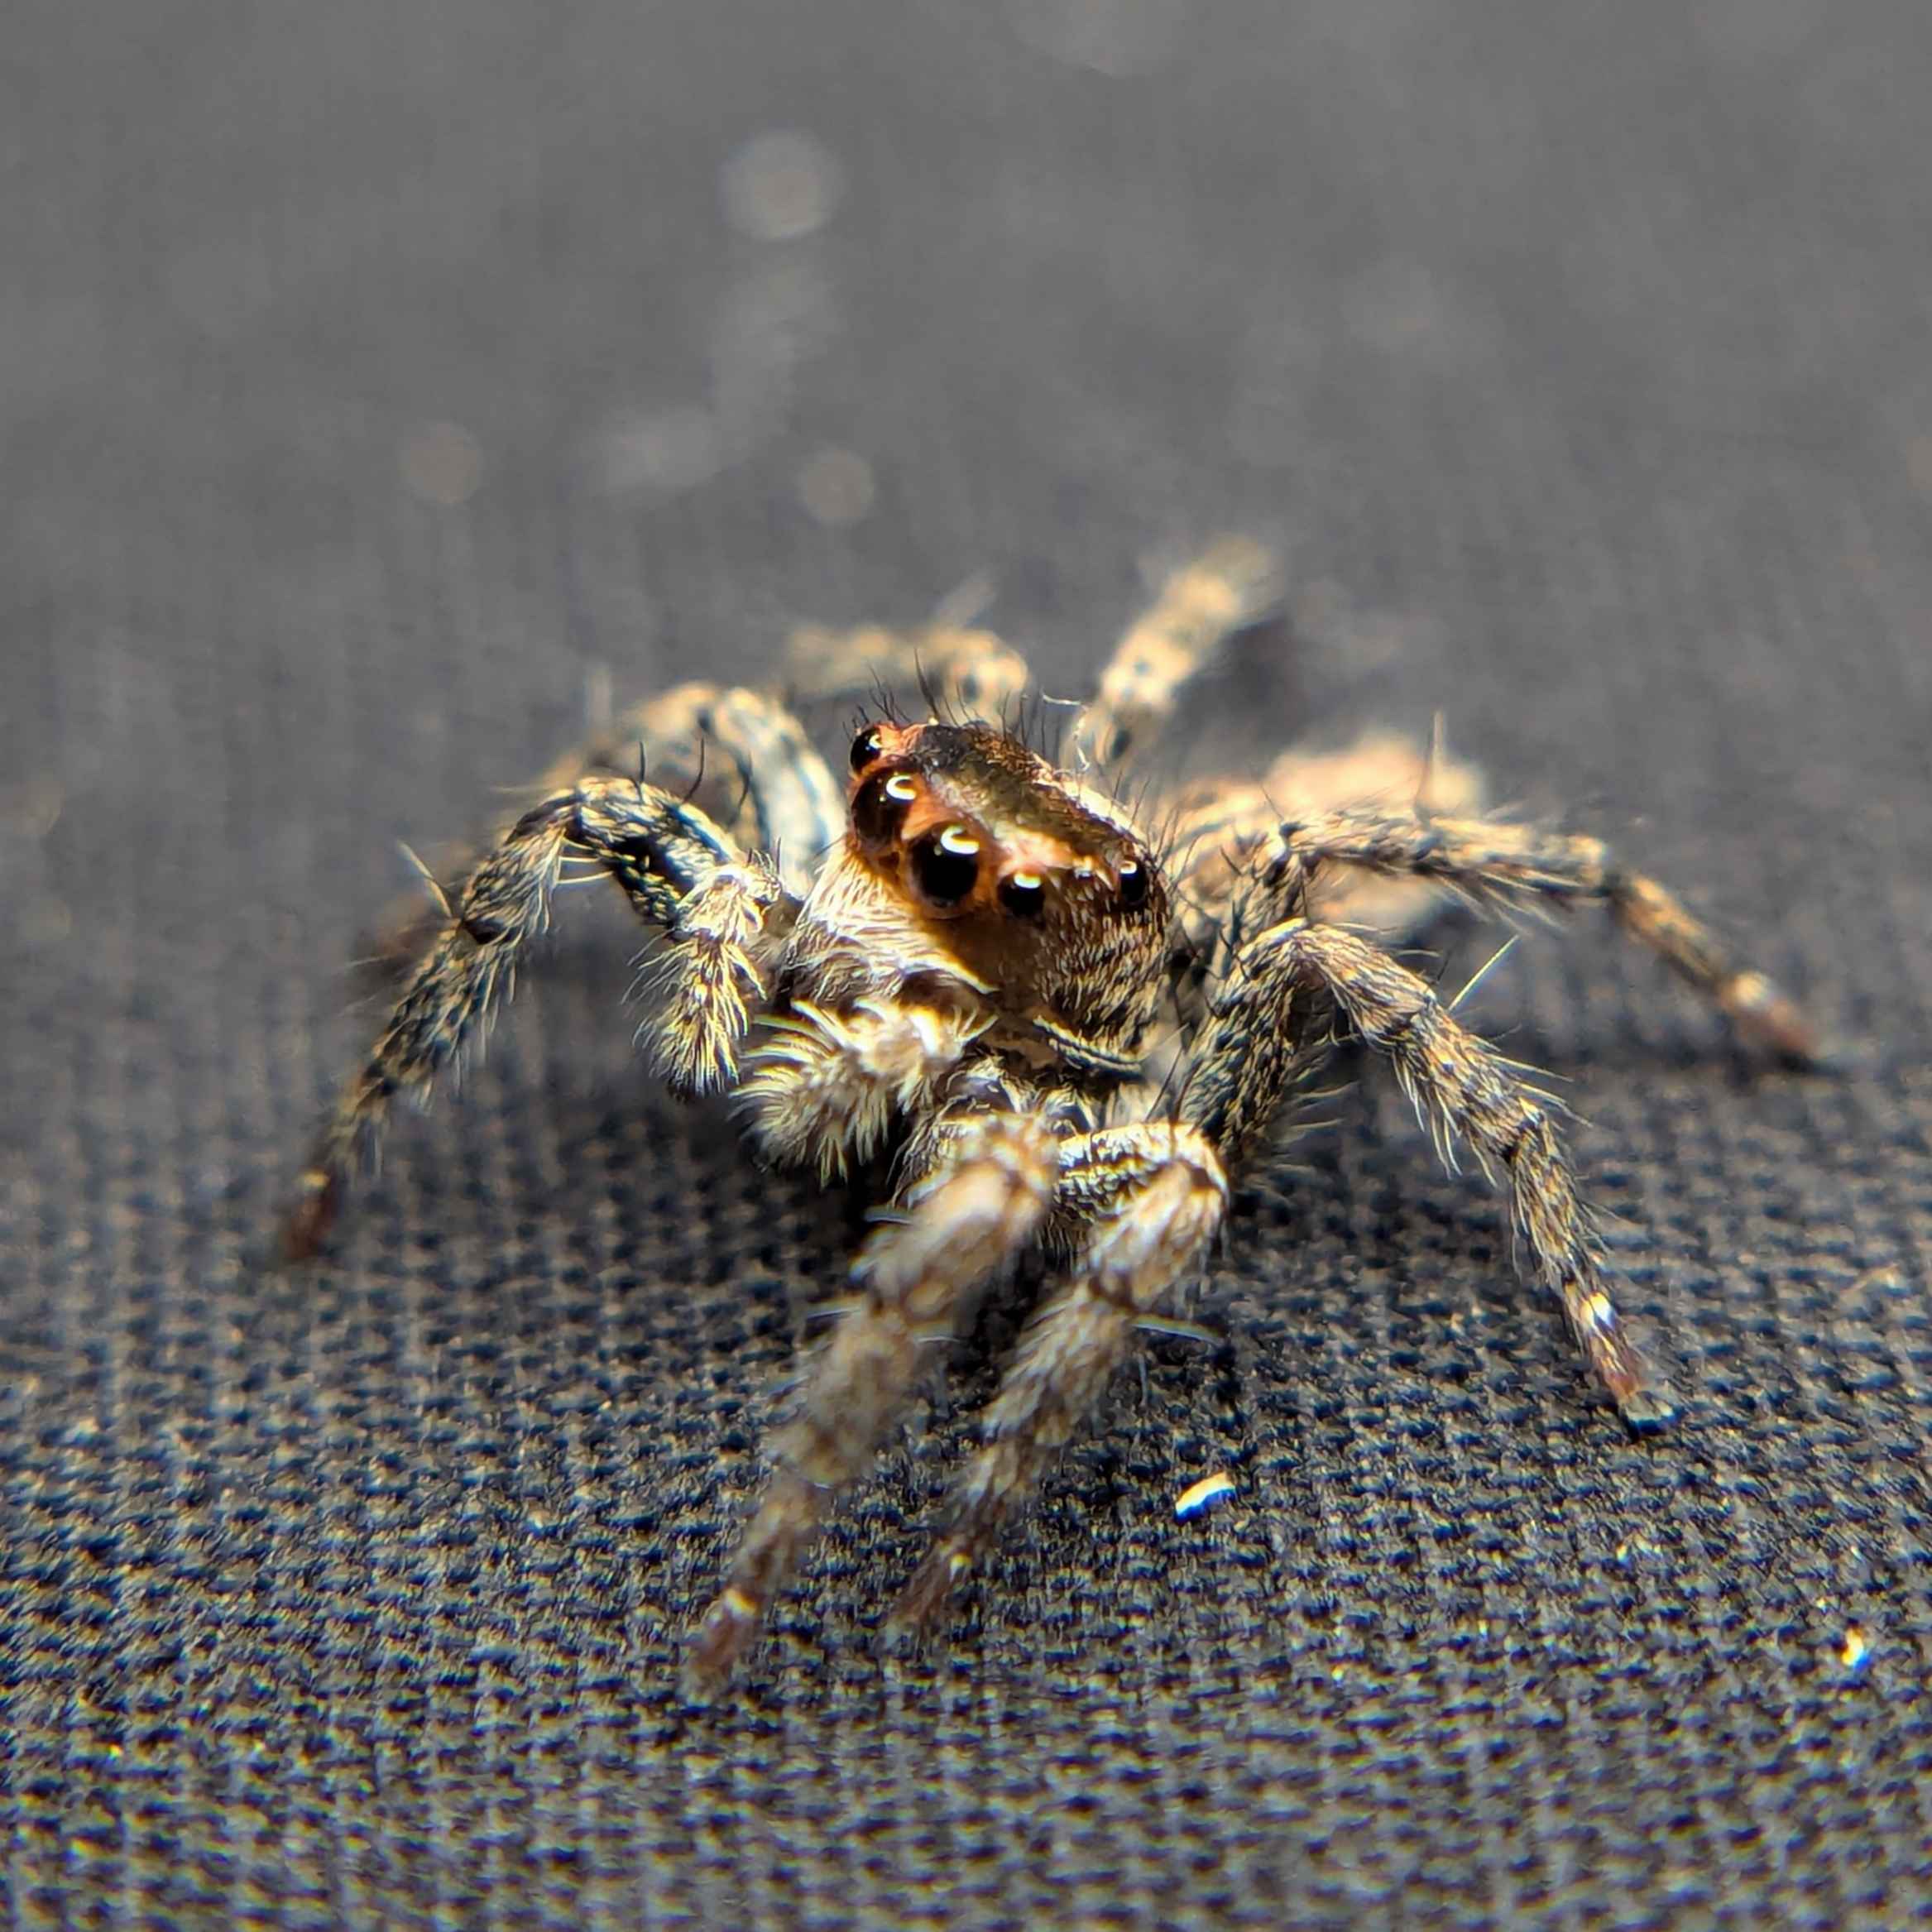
1043 888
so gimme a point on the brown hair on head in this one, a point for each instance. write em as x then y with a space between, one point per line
1041 886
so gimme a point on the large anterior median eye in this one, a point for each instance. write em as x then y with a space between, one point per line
945 867
881 803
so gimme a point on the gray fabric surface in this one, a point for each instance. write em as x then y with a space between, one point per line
371 375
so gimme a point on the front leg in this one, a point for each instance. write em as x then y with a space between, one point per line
958 1223
679 870
1144 1201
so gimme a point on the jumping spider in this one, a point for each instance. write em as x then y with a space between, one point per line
1073 1033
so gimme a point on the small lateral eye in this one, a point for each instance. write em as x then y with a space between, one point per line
880 803
946 867
1023 895
866 747
1133 883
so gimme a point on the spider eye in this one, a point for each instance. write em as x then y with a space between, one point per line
946 867
866 747
1133 877
1023 895
881 803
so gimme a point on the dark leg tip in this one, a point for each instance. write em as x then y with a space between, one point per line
1646 1407
312 1216
923 1603
717 1644
1641 1398
1775 1024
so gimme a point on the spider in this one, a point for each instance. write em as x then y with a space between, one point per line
1070 1034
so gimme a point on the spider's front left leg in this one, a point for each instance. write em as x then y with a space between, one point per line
723 911
978 1203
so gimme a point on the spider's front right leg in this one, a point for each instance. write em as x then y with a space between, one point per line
723 911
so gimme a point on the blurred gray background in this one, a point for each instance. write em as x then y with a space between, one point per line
376 379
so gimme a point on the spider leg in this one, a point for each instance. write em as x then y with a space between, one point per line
1517 868
962 1221
737 754
1232 583
1153 1194
1465 1091
964 673
774 793
1217 825
723 910
1150 1198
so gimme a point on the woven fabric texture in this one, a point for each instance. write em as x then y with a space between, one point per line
377 379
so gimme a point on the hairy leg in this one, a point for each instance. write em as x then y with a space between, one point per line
723 912
1243 863
1231 584
1517 868
1465 1092
963 672
737 754
1219 824
1147 1199
962 1221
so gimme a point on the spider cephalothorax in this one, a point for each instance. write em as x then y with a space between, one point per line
1041 888
1071 1038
